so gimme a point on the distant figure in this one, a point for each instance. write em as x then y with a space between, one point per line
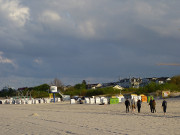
80 101
102 104
164 105
150 104
62 99
153 106
127 104
139 105
133 105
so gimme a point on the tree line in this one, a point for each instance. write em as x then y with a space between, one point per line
80 89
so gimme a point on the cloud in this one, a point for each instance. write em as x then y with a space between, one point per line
168 64
148 10
49 16
157 17
87 28
5 60
38 61
14 11
86 39
14 16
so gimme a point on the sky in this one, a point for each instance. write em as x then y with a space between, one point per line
97 41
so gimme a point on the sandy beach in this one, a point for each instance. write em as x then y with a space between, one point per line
82 119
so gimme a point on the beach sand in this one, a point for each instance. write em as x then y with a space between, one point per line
82 119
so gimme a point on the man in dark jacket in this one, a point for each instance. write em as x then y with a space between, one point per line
164 105
127 103
150 104
139 105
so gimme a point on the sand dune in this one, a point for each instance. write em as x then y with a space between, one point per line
82 119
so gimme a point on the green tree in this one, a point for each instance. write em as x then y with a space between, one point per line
84 82
80 86
7 92
77 86
43 87
175 80
83 85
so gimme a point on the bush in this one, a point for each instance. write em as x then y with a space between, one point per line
175 80
39 94
94 92
43 87
10 92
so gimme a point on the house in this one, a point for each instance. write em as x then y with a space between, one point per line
135 82
130 82
22 89
118 87
91 86
111 84
163 80
99 85
146 81
125 83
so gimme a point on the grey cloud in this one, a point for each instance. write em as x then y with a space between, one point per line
91 40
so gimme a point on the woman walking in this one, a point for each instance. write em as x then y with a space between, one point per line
133 105
153 106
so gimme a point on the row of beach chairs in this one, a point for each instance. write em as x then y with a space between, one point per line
29 101
97 100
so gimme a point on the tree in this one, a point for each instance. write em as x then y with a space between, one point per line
84 82
7 92
58 83
80 86
42 87
83 85
77 86
175 80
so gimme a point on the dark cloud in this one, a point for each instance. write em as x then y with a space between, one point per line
97 41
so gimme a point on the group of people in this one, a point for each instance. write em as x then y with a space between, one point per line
152 105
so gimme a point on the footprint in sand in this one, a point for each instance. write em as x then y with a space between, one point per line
34 114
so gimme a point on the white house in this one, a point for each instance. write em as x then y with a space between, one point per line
130 82
163 80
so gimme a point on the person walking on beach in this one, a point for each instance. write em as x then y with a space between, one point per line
127 104
150 104
139 105
133 105
164 105
153 106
